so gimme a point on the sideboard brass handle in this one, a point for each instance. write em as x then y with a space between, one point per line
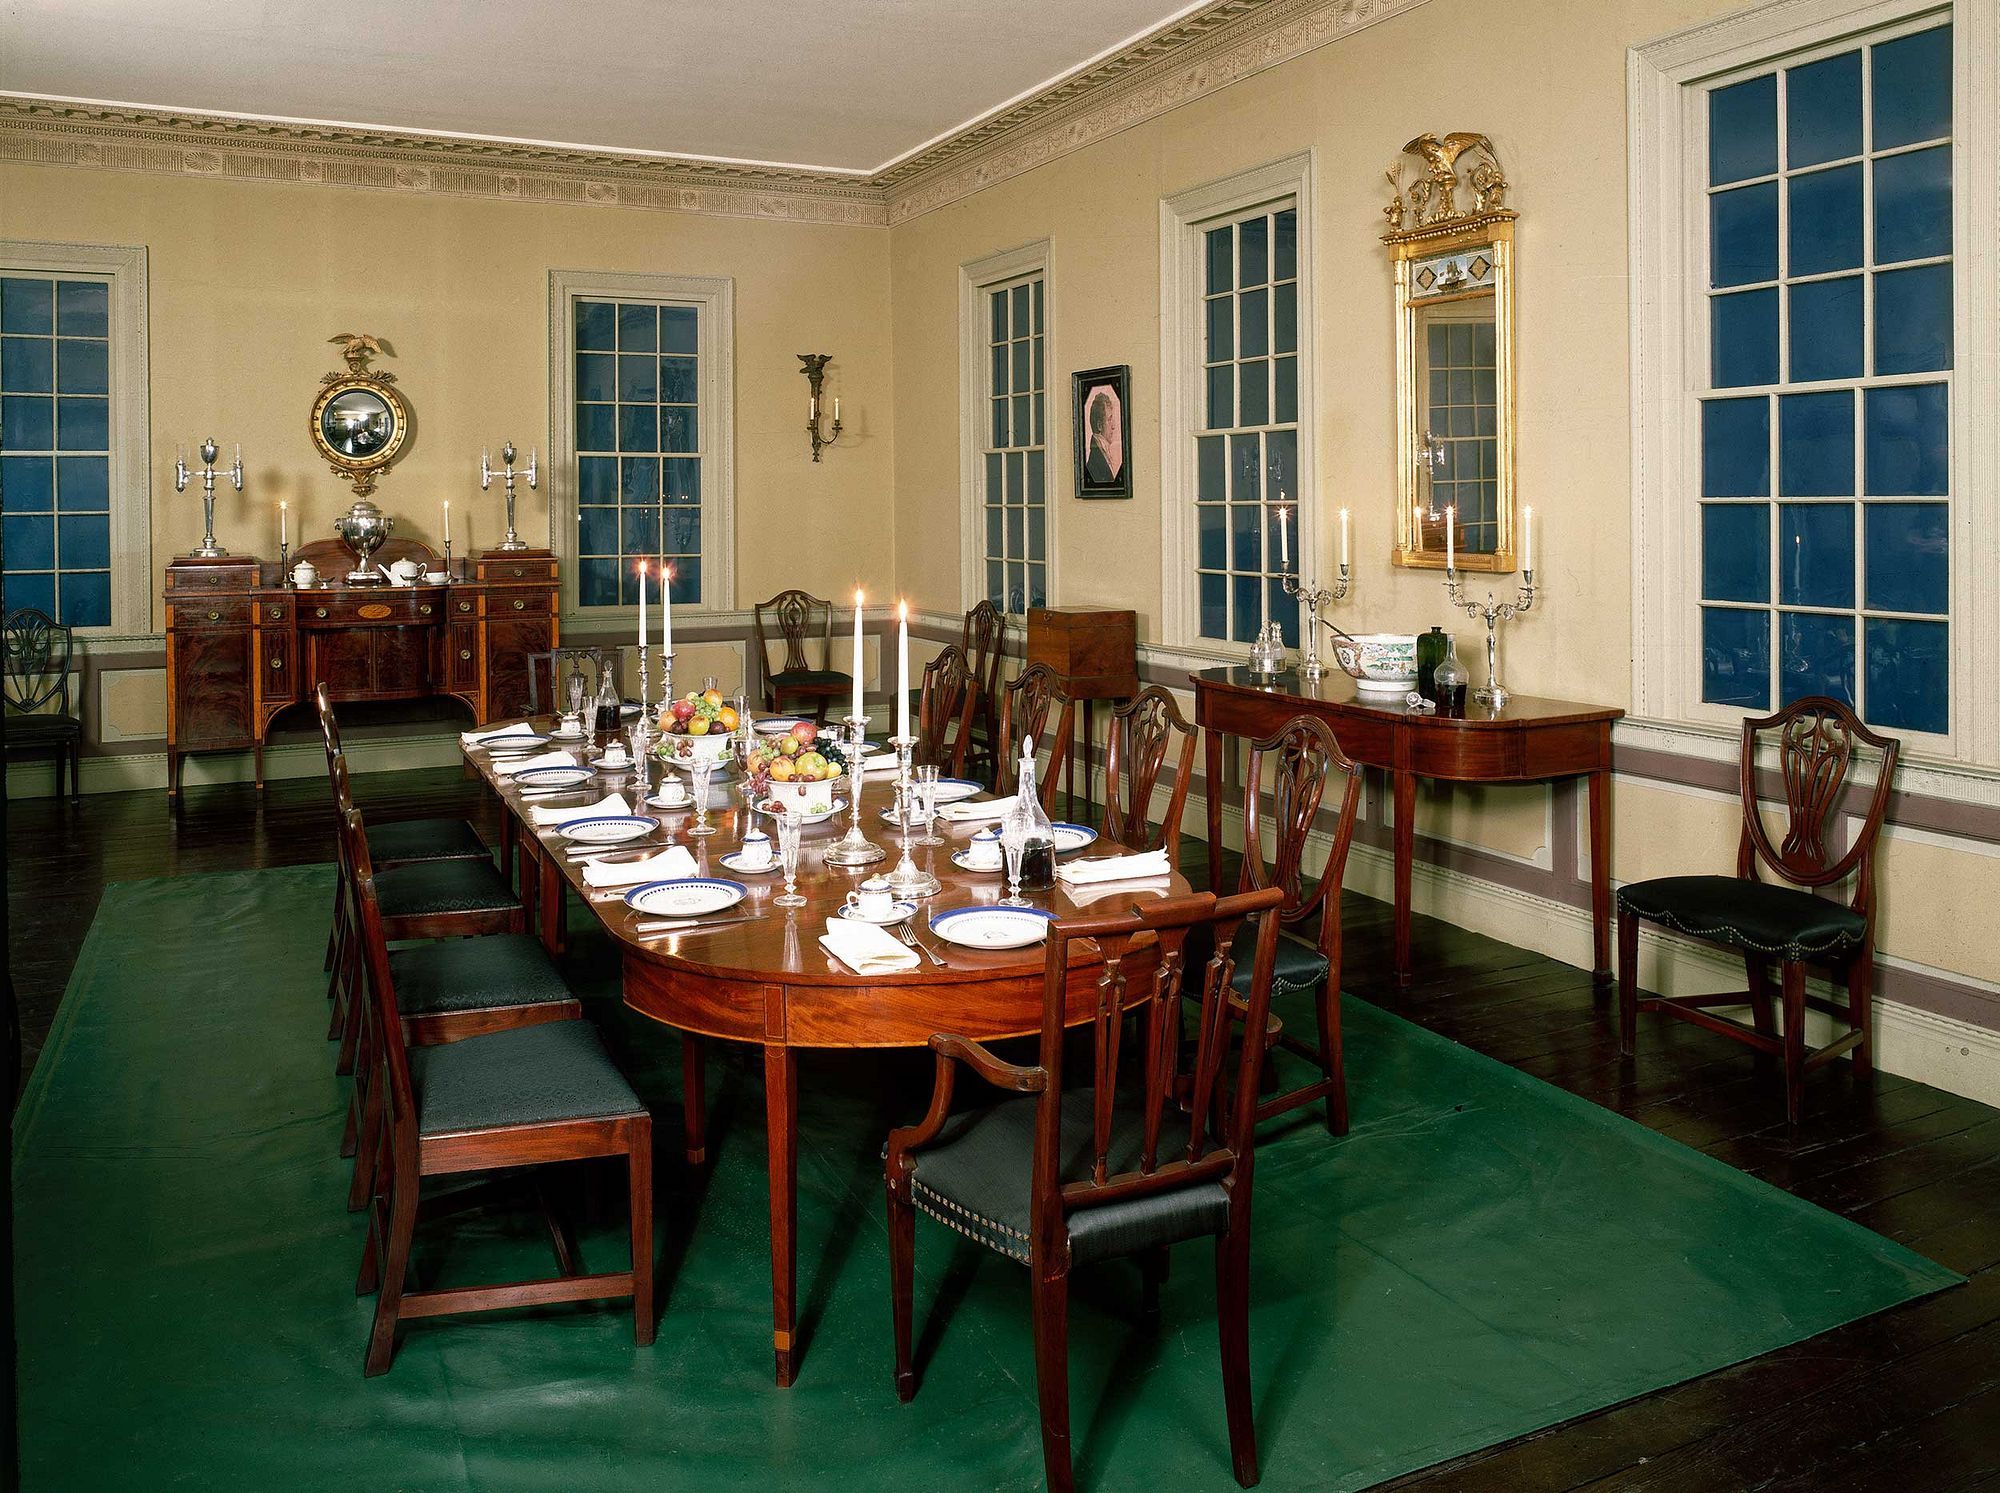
520 606
276 613
277 663
465 606
465 655
214 616
319 611
517 572
425 608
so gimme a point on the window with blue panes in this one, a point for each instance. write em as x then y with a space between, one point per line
1825 485
638 447
1014 455
55 446
1247 446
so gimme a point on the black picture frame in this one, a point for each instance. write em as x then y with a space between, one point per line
1089 390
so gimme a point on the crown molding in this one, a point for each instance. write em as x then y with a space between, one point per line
1210 50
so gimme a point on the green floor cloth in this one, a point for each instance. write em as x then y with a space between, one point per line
1484 1255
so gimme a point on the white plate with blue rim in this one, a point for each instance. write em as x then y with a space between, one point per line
610 829
552 777
993 927
513 746
685 897
1072 836
776 725
952 790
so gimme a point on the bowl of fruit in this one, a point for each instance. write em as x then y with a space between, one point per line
798 769
697 728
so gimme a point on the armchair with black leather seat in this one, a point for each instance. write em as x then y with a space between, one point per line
1782 922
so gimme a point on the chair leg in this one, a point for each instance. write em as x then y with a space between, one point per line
367 1151
694 1098
1153 1265
1051 1292
1628 983
1329 1046
1860 1008
639 1167
395 1266
902 1269
1760 992
1795 1041
1232 1319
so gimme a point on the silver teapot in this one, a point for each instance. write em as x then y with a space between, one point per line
364 528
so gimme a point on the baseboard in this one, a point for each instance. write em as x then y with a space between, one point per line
139 772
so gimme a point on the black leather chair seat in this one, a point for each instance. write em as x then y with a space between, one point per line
532 1075
25 729
786 679
1296 968
975 1178
1780 921
472 974
404 840
427 888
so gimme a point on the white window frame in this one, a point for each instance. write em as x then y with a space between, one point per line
1668 138
715 297
1183 219
976 278
124 269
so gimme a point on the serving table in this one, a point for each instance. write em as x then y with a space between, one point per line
769 983
1528 740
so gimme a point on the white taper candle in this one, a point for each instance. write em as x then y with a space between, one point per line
902 670
856 665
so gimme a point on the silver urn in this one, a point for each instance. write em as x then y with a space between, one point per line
364 528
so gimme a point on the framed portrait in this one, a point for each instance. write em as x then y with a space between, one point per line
1101 418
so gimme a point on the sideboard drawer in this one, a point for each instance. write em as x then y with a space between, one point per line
420 607
508 570
518 603
203 576
461 662
184 612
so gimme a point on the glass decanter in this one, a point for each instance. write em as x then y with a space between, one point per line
1038 835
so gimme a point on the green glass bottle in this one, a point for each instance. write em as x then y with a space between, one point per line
1431 649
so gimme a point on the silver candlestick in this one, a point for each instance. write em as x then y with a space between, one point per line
666 686
513 541
1492 694
908 879
1312 598
854 848
209 550
645 721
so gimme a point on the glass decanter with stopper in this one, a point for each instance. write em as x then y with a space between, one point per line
606 712
1037 836
1448 683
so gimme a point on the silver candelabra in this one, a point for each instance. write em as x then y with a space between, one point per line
209 550
854 848
1492 612
513 541
1312 598
666 687
908 879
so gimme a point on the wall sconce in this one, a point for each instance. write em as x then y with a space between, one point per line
815 372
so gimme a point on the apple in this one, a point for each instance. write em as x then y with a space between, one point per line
782 771
683 711
789 745
697 727
806 732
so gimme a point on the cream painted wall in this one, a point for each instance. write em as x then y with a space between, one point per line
1549 87
247 281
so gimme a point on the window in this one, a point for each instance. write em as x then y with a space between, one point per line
1815 474
1004 361
1234 306
1825 475
644 449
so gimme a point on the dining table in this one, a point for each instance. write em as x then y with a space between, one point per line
766 980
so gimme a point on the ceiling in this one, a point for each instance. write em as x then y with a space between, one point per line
849 86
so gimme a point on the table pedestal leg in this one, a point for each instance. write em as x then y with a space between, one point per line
694 1098
1212 792
1406 849
555 935
781 1118
1600 877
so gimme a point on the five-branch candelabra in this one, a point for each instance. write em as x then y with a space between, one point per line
1493 612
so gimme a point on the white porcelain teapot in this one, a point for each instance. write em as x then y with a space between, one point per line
405 572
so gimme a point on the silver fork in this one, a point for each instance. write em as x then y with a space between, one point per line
908 936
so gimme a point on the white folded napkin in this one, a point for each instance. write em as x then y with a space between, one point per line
866 949
976 813
479 738
613 807
881 762
1122 892
521 764
1114 868
669 865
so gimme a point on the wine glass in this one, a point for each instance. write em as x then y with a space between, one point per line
1014 845
575 690
924 789
642 768
699 772
791 827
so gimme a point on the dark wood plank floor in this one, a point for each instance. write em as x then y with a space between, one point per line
1908 1400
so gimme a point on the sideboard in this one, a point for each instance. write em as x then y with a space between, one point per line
244 645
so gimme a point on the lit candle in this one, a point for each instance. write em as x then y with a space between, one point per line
1450 539
902 671
666 609
1284 534
284 533
1345 537
642 608
856 711
836 409
1528 538
447 520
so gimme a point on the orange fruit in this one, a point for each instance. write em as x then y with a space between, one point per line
726 718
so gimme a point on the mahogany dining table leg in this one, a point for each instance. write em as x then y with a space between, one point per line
781 1118
1600 877
554 889
1212 792
694 1098
1406 848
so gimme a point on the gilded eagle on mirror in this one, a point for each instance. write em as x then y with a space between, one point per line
358 347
